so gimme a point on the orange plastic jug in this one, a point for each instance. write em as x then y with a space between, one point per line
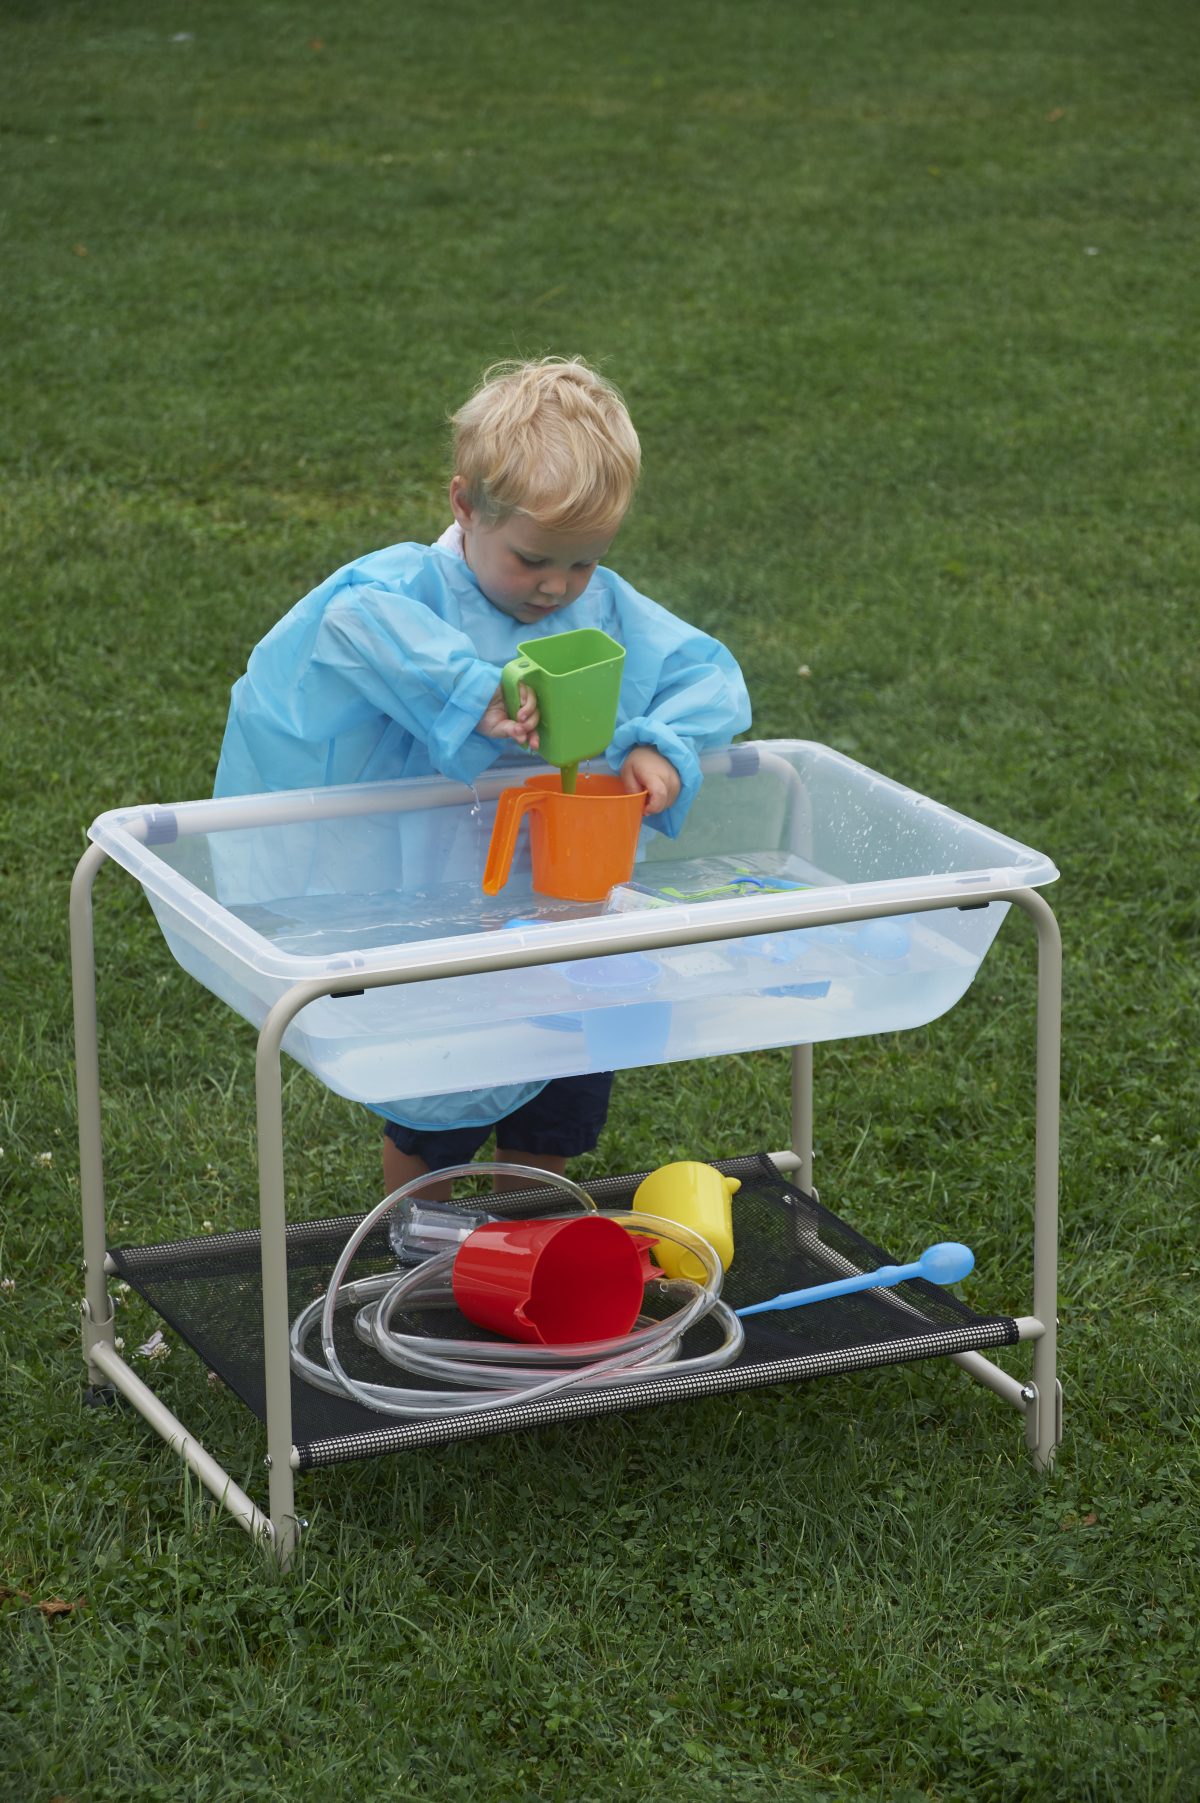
582 844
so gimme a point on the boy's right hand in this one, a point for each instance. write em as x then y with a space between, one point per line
496 724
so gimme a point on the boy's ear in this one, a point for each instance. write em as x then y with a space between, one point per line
461 507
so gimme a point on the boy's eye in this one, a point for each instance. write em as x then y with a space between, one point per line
541 563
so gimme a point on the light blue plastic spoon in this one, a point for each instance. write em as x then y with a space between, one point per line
947 1262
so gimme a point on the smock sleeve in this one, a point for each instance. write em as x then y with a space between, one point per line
399 657
681 692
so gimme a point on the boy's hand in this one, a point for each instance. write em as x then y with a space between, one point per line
495 723
648 769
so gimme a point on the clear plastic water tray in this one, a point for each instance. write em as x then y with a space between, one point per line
256 894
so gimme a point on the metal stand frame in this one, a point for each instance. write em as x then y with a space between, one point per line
1039 1401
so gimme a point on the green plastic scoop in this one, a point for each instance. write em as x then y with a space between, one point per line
576 677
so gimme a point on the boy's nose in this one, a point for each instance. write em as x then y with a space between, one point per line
554 582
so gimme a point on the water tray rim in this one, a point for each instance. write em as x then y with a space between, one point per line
127 835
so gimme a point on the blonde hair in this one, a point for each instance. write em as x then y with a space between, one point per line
549 438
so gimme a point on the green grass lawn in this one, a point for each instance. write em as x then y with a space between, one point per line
903 300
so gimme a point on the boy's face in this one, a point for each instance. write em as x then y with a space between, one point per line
526 571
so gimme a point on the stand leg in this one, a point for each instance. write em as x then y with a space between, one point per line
108 1374
802 1113
97 1306
1041 1400
273 1252
1043 1416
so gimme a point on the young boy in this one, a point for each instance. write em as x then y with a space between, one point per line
391 668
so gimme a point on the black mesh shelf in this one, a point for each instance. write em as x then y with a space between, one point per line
210 1291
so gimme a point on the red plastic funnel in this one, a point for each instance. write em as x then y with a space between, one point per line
558 1283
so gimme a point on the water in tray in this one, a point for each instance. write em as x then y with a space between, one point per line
319 926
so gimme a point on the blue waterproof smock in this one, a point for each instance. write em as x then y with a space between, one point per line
385 669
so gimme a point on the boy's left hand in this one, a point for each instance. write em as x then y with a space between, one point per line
648 769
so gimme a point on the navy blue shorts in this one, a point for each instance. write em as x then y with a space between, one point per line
564 1118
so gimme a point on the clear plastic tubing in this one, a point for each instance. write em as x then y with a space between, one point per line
509 1372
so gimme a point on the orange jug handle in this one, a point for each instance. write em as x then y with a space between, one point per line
510 810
